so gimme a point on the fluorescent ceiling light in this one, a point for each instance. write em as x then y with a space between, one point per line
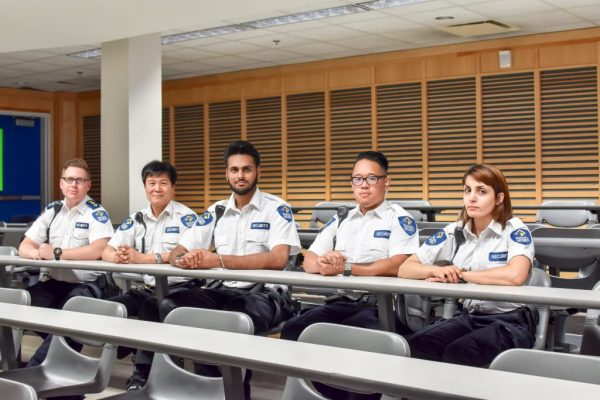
270 22
379 4
305 16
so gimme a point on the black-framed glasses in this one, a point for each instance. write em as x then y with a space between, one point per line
70 180
371 179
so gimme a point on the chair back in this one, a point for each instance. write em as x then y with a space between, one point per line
416 214
590 340
16 390
320 216
15 296
572 367
567 218
348 337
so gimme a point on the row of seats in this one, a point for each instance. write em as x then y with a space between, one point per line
67 372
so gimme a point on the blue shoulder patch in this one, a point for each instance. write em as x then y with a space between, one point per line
331 221
92 204
51 205
188 220
285 212
126 224
100 216
521 236
437 238
205 219
408 224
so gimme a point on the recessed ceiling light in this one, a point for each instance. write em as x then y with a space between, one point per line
305 16
87 53
444 17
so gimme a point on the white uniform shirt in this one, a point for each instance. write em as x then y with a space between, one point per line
262 224
76 227
494 247
161 235
383 232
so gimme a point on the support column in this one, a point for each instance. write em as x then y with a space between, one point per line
131 103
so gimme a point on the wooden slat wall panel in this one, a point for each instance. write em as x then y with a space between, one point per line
508 109
225 126
306 151
569 133
189 155
263 129
399 137
350 134
452 138
91 153
166 139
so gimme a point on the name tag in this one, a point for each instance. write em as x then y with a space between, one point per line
82 225
260 225
500 256
172 229
382 234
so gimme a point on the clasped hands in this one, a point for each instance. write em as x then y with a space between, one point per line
198 259
127 255
447 274
331 263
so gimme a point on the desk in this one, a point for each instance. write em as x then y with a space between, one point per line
383 286
355 369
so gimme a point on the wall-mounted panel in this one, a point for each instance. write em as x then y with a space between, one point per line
569 55
522 59
91 153
449 65
409 70
350 77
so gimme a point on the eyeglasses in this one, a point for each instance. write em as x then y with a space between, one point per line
371 179
70 181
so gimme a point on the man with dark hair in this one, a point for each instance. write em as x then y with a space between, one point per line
147 237
373 239
75 228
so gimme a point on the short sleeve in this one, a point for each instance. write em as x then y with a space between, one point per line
324 240
438 247
520 242
283 229
100 225
124 235
37 231
200 235
404 236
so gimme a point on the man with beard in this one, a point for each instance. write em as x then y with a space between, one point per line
250 230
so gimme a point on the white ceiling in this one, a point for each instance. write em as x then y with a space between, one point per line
38 59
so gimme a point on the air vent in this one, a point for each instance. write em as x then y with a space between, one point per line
479 28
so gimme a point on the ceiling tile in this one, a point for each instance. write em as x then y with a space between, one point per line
285 40
66 61
543 19
366 42
34 66
383 25
461 16
350 18
201 42
272 55
590 13
420 36
329 33
319 48
30 55
7 61
572 3
299 26
232 47
9 73
230 61
417 8
499 8
566 27
189 54
191 67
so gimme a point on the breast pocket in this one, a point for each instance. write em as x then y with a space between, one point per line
378 248
80 237
221 244
257 241
169 241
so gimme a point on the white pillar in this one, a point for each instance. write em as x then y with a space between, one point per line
131 103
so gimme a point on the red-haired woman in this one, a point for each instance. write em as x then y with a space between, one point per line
497 250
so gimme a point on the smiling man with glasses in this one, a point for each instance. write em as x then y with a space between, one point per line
76 228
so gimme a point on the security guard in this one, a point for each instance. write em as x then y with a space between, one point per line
147 237
76 228
374 239
494 249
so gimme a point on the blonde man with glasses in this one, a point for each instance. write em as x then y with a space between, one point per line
75 228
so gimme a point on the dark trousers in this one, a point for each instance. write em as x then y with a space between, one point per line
473 339
340 312
53 293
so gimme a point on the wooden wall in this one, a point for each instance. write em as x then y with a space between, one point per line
433 111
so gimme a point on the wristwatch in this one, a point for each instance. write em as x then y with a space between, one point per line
57 253
347 269
158 258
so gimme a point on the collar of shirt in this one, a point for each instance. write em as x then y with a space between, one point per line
379 211
256 201
494 226
80 207
168 211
